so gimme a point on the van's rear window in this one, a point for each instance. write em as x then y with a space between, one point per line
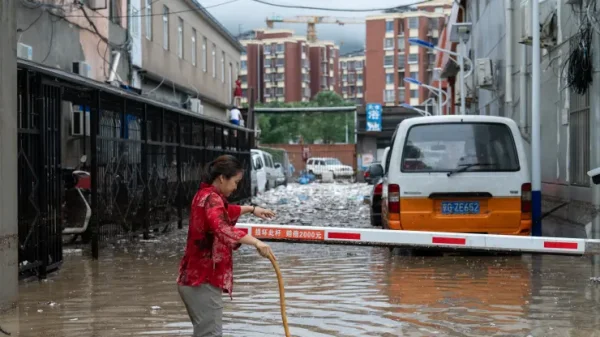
444 147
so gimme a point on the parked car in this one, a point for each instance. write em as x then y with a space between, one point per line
281 177
377 191
465 174
373 173
269 166
318 166
261 174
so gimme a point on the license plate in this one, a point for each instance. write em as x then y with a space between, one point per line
460 207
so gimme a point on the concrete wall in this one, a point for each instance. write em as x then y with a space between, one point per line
488 41
58 42
8 154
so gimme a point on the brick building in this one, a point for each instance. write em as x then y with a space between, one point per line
352 77
390 58
324 67
278 65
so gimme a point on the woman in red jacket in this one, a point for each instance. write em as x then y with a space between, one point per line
206 270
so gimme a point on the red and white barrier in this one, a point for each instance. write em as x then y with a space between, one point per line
462 241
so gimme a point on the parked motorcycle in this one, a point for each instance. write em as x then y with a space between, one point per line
76 205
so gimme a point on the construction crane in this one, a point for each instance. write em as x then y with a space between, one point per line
311 21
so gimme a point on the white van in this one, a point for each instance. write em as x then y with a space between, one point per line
259 169
270 169
457 174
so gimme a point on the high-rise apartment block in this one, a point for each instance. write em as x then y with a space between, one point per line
390 58
352 77
282 67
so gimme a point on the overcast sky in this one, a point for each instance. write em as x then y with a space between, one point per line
246 15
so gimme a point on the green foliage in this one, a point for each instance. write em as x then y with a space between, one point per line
328 127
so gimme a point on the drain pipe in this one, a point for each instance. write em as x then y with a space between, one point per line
523 93
508 50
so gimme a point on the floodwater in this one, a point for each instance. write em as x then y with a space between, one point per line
330 291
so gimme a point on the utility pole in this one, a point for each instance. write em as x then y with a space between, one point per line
536 168
9 240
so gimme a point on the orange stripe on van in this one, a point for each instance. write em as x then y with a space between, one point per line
500 215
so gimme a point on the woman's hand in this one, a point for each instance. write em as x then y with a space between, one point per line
264 250
264 214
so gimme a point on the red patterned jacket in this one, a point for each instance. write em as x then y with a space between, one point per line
211 240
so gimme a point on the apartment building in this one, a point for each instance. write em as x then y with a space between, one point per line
390 58
185 55
352 77
276 64
324 65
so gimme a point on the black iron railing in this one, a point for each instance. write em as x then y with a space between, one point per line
146 161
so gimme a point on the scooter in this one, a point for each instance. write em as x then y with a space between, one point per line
76 205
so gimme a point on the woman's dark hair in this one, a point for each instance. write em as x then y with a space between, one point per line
225 165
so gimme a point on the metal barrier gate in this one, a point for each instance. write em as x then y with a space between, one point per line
414 239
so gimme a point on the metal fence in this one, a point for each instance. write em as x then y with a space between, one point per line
146 161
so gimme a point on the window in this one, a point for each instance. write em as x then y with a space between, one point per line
345 77
359 77
389 26
244 78
230 79
401 82
401 44
359 90
389 78
114 12
165 27
358 65
388 61
279 77
194 47
280 62
413 58
323 54
351 77
222 67
388 43
579 119
413 23
414 94
244 65
388 96
204 54
279 92
444 147
214 61
402 95
343 64
280 48
401 61
180 38
324 81
149 19
414 74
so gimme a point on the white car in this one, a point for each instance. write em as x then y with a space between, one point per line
318 166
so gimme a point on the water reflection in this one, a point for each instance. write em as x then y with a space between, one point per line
331 291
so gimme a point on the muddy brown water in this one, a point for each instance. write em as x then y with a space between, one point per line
331 291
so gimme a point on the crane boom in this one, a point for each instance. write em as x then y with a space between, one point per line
311 21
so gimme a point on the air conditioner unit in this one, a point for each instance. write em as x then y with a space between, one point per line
97 4
24 51
196 106
82 69
78 115
485 75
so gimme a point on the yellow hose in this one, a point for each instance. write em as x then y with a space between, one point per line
281 296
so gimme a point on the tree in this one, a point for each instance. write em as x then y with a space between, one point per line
328 127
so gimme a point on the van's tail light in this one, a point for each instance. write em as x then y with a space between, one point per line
394 198
378 189
367 174
526 198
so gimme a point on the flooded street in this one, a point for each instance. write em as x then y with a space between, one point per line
330 290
